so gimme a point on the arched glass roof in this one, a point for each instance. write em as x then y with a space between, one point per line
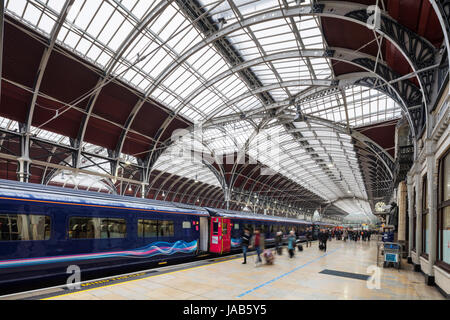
164 52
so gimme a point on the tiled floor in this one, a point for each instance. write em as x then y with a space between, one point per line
297 278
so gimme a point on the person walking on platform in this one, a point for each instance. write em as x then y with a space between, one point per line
245 240
345 235
324 240
258 244
291 243
278 242
308 237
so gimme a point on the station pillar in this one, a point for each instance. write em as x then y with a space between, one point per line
410 215
418 182
432 209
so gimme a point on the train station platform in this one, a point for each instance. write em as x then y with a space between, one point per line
340 273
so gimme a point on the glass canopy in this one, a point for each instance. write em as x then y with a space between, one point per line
156 47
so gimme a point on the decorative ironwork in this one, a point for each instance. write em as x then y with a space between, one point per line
420 52
403 163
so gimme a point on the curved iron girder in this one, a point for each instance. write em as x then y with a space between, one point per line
44 61
245 149
411 95
385 157
219 175
178 179
137 30
405 40
380 152
196 193
212 193
335 10
418 51
442 10
177 176
271 184
406 91
204 193
360 78
151 159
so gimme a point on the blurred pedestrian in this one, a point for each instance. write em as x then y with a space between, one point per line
308 237
245 240
257 242
278 242
291 243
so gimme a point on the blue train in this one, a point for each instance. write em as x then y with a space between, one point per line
44 230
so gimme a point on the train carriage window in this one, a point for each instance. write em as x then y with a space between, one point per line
215 228
113 228
236 226
147 228
165 229
224 228
96 228
16 227
186 224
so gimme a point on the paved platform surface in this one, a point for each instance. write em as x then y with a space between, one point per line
340 273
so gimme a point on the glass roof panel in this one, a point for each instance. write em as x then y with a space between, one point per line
97 30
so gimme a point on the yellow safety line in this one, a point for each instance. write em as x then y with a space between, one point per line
156 275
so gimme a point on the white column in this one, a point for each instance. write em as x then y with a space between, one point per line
432 204
410 212
401 201
418 181
23 168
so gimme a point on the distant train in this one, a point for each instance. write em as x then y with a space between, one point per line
44 230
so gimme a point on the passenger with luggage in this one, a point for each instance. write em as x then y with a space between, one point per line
299 245
268 256
258 243
323 237
245 242
291 243
308 237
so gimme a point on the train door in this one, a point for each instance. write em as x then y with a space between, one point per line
220 240
203 234
226 235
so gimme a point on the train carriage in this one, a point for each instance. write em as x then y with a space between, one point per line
44 230
228 226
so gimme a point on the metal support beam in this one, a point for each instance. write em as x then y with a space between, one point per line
44 61
132 36
2 26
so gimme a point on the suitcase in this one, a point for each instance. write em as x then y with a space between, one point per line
320 246
279 251
300 247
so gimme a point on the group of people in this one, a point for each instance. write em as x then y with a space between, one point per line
256 241
345 234
356 235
